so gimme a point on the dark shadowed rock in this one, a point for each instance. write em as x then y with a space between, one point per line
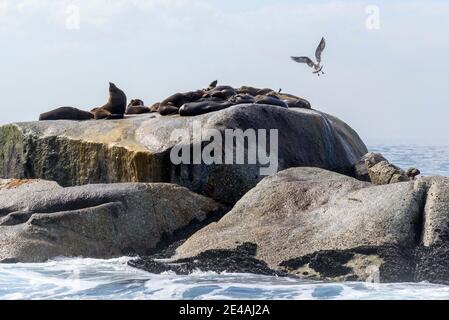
239 260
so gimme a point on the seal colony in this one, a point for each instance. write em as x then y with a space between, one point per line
192 103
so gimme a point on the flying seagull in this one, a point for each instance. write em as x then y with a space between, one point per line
316 66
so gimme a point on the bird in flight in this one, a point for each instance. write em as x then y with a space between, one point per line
318 68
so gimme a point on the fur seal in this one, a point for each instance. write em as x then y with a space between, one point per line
262 92
222 92
155 107
179 99
293 101
168 110
66 113
213 85
198 108
412 173
248 90
242 99
262 99
137 106
99 113
298 103
117 101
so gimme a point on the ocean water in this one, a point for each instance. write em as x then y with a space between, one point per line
113 279
431 160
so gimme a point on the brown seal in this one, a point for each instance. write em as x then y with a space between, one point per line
168 110
66 113
155 107
137 106
179 99
213 85
198 108
116 104
248 90
261 99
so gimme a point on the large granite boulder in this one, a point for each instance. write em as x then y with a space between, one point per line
320 224
137 149
40 220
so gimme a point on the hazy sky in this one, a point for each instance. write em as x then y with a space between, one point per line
390 84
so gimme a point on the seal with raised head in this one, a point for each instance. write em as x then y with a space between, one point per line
66 113
213 85
116 104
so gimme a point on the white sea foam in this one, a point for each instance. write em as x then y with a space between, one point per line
114 279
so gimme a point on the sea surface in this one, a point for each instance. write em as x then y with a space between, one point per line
114 279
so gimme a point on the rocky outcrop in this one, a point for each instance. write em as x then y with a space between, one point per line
375 168
137 149
323 225
40 220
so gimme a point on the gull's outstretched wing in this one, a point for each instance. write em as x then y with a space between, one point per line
304 60
320 50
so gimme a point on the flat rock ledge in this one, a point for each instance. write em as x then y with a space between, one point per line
321 225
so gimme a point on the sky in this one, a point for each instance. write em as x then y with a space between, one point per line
386 69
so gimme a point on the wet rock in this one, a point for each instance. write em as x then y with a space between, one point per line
239 260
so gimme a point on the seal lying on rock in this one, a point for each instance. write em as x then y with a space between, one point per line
264 99
66 113
216 98
102 114
155 107
198 108
298 103
115 107
137 106
172 104
178 99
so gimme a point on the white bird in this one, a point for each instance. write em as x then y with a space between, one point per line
316 66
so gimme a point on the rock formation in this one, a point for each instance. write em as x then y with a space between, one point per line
323 225
137 149
40 220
